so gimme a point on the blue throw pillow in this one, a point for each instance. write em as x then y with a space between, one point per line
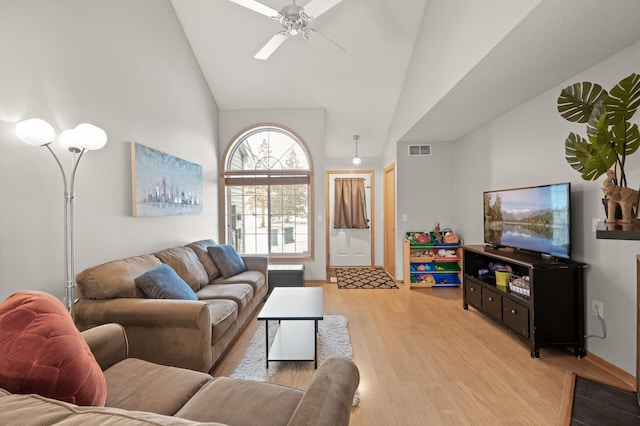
227 260
162 282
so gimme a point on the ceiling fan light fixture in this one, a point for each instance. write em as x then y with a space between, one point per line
293 18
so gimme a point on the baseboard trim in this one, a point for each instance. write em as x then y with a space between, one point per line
629 380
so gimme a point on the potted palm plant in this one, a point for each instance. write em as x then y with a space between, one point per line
611 137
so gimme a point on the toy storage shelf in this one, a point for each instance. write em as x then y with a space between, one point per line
431 264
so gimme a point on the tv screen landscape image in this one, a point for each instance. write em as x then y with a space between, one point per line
536 219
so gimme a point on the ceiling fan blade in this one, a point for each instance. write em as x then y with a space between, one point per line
315 8
271 46
257 7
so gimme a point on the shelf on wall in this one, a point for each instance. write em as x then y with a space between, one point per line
616 231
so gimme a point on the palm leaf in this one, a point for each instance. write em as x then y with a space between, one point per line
576 102
624 99
595 168
597 113
598 134
603 145
626 137
577 151
582 156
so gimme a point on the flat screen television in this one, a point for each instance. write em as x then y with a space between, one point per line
536 219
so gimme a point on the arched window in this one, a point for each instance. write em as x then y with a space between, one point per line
267 186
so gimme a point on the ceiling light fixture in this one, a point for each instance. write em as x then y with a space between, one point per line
356 160
294 20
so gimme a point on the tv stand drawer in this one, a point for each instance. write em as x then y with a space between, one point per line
492 303
515 316
473 292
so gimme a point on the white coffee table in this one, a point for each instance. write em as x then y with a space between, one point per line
298 310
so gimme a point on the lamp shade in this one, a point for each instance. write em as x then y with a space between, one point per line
90 137
35 132
69 140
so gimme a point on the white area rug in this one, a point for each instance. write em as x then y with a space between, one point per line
333 341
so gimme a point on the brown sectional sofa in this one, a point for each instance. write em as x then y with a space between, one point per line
143 393
180 333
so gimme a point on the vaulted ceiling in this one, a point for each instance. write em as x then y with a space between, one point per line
371 85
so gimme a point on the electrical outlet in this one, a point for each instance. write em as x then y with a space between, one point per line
597 308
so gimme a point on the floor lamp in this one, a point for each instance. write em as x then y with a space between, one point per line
84 137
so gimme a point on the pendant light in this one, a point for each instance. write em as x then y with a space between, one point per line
356 160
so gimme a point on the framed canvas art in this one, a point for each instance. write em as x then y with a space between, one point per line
164 185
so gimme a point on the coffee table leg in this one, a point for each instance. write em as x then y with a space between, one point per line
315 347
266 328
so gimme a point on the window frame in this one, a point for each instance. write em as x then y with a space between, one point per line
268 177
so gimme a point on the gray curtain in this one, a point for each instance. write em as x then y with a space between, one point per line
350 209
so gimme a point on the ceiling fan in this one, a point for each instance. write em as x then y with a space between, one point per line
295 20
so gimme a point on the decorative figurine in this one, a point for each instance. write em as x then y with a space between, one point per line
616 195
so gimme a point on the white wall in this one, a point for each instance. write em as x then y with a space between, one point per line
309 124
469 30
424 193
526 147
126 67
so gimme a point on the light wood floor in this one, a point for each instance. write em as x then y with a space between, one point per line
423 360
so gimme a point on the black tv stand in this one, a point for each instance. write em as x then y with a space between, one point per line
551 315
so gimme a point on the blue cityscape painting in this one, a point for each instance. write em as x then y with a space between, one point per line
164 185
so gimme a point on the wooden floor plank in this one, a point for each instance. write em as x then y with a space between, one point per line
424 360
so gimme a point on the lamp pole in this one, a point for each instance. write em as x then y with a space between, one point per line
85 136
69 225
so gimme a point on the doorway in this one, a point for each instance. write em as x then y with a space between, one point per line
349 247
389 208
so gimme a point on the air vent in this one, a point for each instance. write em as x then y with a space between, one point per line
419 150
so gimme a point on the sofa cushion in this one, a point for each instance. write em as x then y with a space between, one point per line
116 278
135 384
200 249
42 351
38 410
162 282
242 402
185 262
227 260
223 314
255 278
239 293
